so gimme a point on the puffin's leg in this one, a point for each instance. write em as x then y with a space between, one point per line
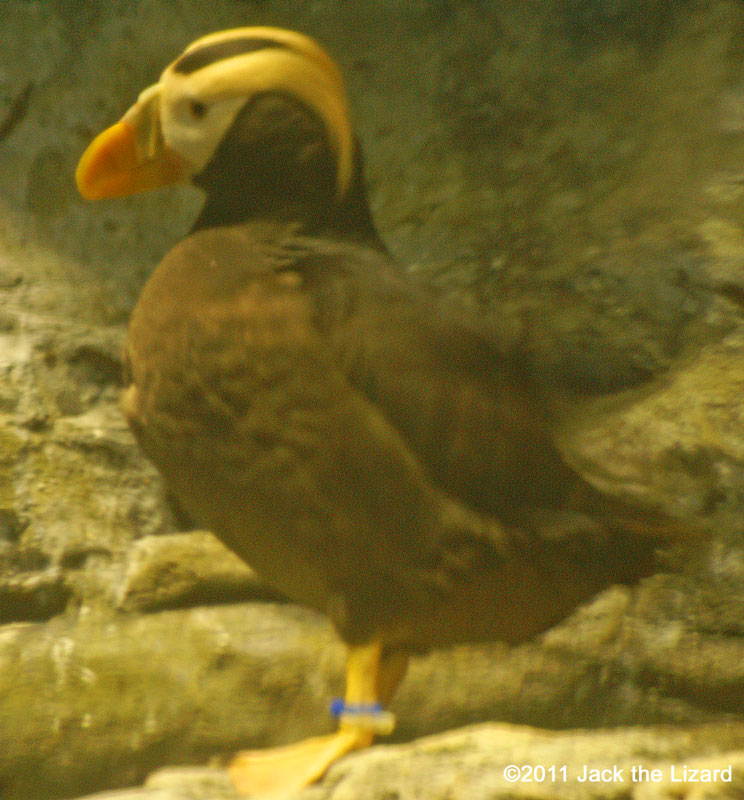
371 678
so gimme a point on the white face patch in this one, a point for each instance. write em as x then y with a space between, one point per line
193 124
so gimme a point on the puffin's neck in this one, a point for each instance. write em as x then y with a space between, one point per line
235 197
350 219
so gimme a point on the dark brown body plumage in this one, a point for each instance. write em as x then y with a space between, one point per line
368 453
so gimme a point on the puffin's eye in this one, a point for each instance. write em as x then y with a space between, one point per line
197 109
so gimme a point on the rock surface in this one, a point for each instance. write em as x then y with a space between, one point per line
563 170
185 569
499 762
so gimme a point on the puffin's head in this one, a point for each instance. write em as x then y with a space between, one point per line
257 117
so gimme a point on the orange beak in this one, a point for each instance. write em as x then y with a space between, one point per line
129 157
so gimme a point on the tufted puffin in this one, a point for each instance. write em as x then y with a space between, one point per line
370 450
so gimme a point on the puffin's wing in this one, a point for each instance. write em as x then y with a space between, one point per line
461 403
517 519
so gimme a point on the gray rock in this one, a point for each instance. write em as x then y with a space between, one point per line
184 570
478 762
97 701
471 763
32 595
186 783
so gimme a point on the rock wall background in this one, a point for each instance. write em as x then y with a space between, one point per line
573 170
